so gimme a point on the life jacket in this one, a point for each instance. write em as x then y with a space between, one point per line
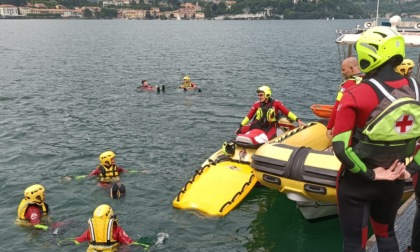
108 174
101 233
187 84
393 127
23 206
357 80
266 114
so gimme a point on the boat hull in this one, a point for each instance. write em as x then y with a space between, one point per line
305 169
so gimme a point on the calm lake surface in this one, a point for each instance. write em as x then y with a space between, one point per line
68 93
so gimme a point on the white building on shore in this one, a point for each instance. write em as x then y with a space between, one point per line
7 10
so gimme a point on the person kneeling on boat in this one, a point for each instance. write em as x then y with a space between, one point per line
266 113
109 173
104 233
32 208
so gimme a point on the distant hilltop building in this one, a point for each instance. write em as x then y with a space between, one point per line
40 6
106 3
187 11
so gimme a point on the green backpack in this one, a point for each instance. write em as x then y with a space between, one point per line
396 119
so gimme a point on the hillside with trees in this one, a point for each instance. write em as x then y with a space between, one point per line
306 9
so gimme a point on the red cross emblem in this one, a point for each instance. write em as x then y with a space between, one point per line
404 124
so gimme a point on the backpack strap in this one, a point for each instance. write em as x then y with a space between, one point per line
379 87
384 91
414 86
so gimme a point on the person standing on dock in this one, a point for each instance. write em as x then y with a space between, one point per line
353 76
373 148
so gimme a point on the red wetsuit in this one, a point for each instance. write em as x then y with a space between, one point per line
358 196
33 215
268 127
147 88
118 234
350 82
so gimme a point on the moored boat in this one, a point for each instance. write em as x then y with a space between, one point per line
346 39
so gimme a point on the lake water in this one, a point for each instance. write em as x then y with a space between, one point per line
68 93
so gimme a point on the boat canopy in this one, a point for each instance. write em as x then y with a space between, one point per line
411 38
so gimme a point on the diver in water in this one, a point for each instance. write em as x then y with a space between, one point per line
104 233
33 208
109 174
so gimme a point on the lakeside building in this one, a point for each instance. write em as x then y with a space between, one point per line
64 13
189 10
8 10
131 14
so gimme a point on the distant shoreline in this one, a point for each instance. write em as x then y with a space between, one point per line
226 19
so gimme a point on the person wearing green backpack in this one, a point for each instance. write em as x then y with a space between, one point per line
376 129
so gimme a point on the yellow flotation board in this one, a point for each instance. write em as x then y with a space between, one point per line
217 188
223 181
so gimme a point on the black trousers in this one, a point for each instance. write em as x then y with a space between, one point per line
360 200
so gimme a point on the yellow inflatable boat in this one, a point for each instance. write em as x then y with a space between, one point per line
303 166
